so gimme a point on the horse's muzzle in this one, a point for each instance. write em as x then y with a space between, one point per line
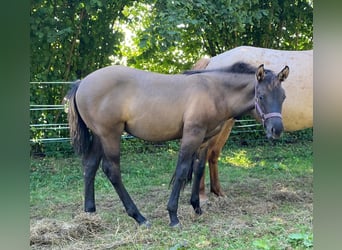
274 127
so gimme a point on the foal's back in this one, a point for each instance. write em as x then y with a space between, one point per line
149 105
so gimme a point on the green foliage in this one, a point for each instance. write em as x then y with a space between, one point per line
145 48
179 246
296 240
70 39
262 244
174 33
301 240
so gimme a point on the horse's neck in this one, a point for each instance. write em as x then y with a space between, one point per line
240 100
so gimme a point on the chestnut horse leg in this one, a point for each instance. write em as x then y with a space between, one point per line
214 149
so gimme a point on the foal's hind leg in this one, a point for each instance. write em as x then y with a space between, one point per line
111 167
90 163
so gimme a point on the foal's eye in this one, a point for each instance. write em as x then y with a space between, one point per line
261 97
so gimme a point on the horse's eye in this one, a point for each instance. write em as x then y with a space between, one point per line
261 97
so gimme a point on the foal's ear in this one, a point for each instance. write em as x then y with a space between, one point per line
284 73
260 73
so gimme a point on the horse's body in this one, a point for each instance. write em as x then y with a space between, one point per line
157 107
297 109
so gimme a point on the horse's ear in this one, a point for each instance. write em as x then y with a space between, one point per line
284 73
260 73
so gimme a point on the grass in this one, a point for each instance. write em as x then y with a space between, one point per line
268 203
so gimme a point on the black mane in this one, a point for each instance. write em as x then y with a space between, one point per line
238 68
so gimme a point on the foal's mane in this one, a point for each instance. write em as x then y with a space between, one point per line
238 68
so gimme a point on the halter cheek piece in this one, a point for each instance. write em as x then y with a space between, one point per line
264 116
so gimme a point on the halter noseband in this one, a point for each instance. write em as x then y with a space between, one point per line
264 116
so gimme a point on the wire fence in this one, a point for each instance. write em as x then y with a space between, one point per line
49 129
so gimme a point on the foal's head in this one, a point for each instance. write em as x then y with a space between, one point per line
269 98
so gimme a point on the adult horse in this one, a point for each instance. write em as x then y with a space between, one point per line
297 109
192 106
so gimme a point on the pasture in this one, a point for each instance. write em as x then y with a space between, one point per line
268 203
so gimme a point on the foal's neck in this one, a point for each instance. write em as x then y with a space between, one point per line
242 99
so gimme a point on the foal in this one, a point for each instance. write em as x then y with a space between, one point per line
192 107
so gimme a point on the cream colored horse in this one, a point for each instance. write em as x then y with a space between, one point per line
297 108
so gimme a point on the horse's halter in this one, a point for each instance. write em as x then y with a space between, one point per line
262 115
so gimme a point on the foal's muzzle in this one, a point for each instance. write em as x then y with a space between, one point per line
272 122
274 127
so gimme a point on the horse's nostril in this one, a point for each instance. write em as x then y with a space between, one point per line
275 133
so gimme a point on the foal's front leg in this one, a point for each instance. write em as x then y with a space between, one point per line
191 141
198 168
182 171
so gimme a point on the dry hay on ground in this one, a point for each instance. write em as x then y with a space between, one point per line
51 231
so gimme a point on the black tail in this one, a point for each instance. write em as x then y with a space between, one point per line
79 133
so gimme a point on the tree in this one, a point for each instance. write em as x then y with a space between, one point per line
179 32
70 39
286 25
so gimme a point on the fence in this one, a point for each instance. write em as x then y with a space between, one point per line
49 126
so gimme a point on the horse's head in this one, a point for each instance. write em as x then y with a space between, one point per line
269 98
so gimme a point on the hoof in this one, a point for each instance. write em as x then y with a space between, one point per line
198 211
145 224
90 213
176 226
90 210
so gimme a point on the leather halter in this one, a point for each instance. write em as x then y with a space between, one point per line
264 116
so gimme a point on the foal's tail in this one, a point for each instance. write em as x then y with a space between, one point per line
79 134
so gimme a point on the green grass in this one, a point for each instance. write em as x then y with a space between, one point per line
268 203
